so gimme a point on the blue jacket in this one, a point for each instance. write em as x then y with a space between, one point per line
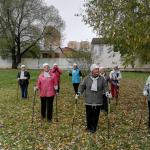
76 74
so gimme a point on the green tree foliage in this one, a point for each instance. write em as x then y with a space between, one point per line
23 23
125 24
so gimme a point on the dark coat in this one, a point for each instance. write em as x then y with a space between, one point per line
24 81
92 97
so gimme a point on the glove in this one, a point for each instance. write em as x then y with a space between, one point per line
23 78
77 96
108 94
56 87
35 88
145 93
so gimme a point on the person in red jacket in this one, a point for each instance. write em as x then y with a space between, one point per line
47 86
57 71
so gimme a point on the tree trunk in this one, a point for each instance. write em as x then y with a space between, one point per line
132 64
14 64
18 55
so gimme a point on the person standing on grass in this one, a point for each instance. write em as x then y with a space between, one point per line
146 93
94 86
23 80
57 71
47 86
76 77
115 77
107 79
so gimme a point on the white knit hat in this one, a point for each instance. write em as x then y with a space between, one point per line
54 64
74 64
94 66
23 66
45 64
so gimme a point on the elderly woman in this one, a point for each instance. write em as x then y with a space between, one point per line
58 72
115 77
76 77
23 80
94 87
107 79
47 86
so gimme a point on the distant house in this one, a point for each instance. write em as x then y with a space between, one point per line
49 45
102 53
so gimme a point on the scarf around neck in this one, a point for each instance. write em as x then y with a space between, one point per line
94 83
46 74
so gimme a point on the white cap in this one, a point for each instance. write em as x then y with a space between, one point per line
74 64
54 64
23 66
45 64
94 66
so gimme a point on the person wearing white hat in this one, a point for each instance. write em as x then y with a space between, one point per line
47 86
23 80
146 93
76 77
93 87
106 77
58 72
115 77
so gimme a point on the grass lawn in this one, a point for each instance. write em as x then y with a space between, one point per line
128 120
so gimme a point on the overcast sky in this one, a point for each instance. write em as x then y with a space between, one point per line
75 29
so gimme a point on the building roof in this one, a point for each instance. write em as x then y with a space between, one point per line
67 49
99 41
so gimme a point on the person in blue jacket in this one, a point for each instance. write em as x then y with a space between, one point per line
76 77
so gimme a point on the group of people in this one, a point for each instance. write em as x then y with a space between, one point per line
98 87
48 85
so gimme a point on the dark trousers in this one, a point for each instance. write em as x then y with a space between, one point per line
149 114
58 90
75 86
92 116
24 90
47 107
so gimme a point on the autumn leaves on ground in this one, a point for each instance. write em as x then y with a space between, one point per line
128 120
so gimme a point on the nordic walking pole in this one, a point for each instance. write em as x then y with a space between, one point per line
33 106
74 114
108 119
141 117
56 109
117 93
17 89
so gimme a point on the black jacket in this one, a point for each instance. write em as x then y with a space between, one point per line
24 81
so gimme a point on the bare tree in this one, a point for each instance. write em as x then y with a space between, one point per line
23 23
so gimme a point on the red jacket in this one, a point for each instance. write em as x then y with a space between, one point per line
57 71
47 86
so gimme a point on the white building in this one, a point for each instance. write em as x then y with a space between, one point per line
103 54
